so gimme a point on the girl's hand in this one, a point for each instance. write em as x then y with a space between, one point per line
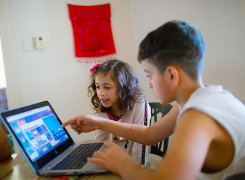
82 123
113 158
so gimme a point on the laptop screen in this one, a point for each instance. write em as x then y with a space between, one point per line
38 130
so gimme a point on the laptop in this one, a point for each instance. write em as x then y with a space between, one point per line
47 146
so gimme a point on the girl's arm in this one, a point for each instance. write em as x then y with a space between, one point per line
140 150
101 135
160 130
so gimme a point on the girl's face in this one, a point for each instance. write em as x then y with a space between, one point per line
106 90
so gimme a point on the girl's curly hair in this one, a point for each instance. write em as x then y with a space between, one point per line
129 90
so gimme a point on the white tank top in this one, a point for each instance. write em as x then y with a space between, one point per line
228 111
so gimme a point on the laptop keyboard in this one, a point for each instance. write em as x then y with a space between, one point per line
78 157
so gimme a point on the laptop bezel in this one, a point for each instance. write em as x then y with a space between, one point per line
39 163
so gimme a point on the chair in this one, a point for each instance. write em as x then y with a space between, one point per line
240 176
157 108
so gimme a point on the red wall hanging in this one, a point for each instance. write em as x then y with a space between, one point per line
92 30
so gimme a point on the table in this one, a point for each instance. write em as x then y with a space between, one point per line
17 167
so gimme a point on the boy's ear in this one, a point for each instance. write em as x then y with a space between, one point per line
173 75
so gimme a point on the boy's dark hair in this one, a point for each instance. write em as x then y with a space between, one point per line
129 90
174 43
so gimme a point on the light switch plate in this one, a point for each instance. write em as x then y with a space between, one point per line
27 44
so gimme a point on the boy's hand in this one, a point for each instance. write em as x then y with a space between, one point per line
82 123
113 158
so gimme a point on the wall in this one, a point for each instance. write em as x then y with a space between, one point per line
222 24
54 74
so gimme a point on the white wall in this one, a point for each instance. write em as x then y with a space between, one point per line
222 24
54 74
2 70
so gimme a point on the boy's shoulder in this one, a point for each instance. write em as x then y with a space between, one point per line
194 133
212 96
217 108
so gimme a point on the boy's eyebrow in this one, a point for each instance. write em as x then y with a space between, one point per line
147 71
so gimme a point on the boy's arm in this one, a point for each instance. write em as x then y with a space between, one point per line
5 147
160 130
183 160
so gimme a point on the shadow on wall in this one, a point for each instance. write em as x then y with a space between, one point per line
3 106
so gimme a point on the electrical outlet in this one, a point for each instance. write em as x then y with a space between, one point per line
39 42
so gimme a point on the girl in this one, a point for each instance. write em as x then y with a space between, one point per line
117 95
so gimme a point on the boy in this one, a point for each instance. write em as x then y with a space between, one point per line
208 125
